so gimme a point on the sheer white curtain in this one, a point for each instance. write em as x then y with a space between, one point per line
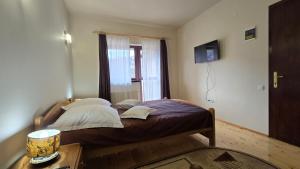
119 67
151 69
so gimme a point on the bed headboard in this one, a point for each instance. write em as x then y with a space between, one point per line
50 116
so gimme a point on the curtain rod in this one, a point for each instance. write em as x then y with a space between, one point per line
128 35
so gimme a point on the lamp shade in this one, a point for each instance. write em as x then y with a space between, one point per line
43 143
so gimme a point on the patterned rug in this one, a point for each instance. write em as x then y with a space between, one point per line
211 158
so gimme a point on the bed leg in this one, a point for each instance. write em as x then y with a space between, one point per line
212 138
212 134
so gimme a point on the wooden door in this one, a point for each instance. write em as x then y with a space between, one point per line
284 59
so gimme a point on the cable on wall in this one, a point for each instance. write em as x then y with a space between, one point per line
210 77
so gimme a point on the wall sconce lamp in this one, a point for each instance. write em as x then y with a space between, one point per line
68 38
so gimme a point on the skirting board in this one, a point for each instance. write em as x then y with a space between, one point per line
244 128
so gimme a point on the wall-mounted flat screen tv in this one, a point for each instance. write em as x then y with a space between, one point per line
207 52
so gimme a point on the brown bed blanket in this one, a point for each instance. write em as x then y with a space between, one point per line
171 117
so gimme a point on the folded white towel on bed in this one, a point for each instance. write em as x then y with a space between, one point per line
137 112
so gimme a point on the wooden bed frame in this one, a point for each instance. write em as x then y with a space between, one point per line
98 151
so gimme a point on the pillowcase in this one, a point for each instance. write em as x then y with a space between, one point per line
87 101
137 112
127 104
88 116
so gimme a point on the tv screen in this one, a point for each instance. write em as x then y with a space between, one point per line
207 52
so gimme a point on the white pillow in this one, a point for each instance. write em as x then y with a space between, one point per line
89 116
127 104
87 101
137 112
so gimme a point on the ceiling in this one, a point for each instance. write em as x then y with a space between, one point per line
156 12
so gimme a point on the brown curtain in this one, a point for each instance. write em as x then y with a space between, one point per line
165 86
104 78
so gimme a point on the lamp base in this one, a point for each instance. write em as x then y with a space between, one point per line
39 160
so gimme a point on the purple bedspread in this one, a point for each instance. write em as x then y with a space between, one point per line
171 117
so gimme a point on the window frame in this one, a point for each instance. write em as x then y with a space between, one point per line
137 61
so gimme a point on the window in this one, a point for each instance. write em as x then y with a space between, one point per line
135 63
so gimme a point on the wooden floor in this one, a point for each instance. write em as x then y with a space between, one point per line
278 153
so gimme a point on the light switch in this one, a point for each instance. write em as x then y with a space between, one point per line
261 87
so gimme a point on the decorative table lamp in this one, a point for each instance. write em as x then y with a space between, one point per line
43 145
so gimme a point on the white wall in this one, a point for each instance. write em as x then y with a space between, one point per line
35 69
86 54
243 66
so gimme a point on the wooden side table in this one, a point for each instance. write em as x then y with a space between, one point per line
70 155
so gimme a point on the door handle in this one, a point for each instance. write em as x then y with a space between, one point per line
275 79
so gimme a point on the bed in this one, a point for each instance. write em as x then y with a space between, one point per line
172 118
